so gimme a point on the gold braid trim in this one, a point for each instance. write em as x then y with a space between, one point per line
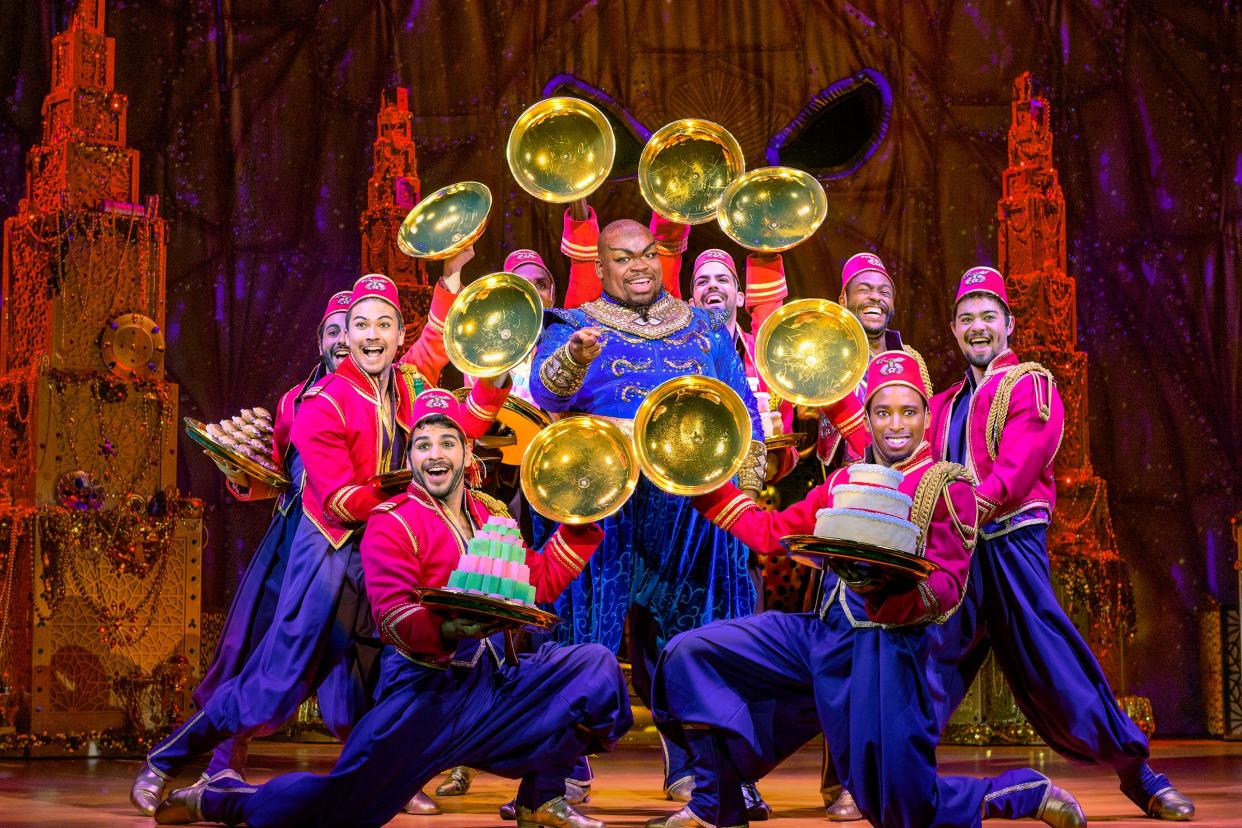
561 374
927 383
935 483
998 413
413 379
494 506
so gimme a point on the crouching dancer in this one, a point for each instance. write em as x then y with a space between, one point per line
449 697
749 693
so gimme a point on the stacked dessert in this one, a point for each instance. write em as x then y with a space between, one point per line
769 408
248 434
495 564
870 510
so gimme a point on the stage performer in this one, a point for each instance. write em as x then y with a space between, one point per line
254 604
750 692
580 244
661 566
714 283
449 694
868 292
530 266
350 427
1004 421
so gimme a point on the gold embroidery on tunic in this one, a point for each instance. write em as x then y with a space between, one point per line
684 365
622 366
663 317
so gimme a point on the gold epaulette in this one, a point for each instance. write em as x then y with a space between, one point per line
413 378
313 391
936 482
998 413
927 383
386 506
493 505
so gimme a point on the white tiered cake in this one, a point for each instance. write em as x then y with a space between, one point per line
870 510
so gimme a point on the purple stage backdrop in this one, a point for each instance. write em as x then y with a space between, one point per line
255 122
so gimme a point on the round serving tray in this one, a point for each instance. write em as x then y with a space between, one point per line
483 606
859 564
198 433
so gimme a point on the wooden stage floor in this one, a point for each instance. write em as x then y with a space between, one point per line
92 792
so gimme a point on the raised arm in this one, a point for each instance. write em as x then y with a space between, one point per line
765 287
580 244
671 241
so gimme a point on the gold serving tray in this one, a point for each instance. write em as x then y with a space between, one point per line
863 566
782 441
198 433
482 606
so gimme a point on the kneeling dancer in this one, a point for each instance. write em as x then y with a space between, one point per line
449 696
749 693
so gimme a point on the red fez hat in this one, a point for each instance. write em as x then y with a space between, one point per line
525 257
894 368
859 264
339 302
715 255
376 286
438 401
982 280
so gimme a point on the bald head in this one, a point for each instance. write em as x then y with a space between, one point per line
628 265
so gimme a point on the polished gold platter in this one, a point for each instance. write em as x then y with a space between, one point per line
811 351
685 168
772 208
493 324
444 601
579 470
446 222
862 566
561 149
198 433
692 434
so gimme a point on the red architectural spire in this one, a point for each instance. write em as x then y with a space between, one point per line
391 192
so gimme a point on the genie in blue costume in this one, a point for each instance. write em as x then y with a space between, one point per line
661 564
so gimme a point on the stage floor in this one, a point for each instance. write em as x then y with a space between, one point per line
93 792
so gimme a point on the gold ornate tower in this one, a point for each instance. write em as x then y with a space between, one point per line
99 557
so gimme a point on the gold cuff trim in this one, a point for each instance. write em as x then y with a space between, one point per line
561 374
733 511
752 473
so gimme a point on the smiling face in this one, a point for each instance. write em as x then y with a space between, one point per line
896 418
375 332
542 280
628 264
438 458
333 343
715 286
869 296
982 328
